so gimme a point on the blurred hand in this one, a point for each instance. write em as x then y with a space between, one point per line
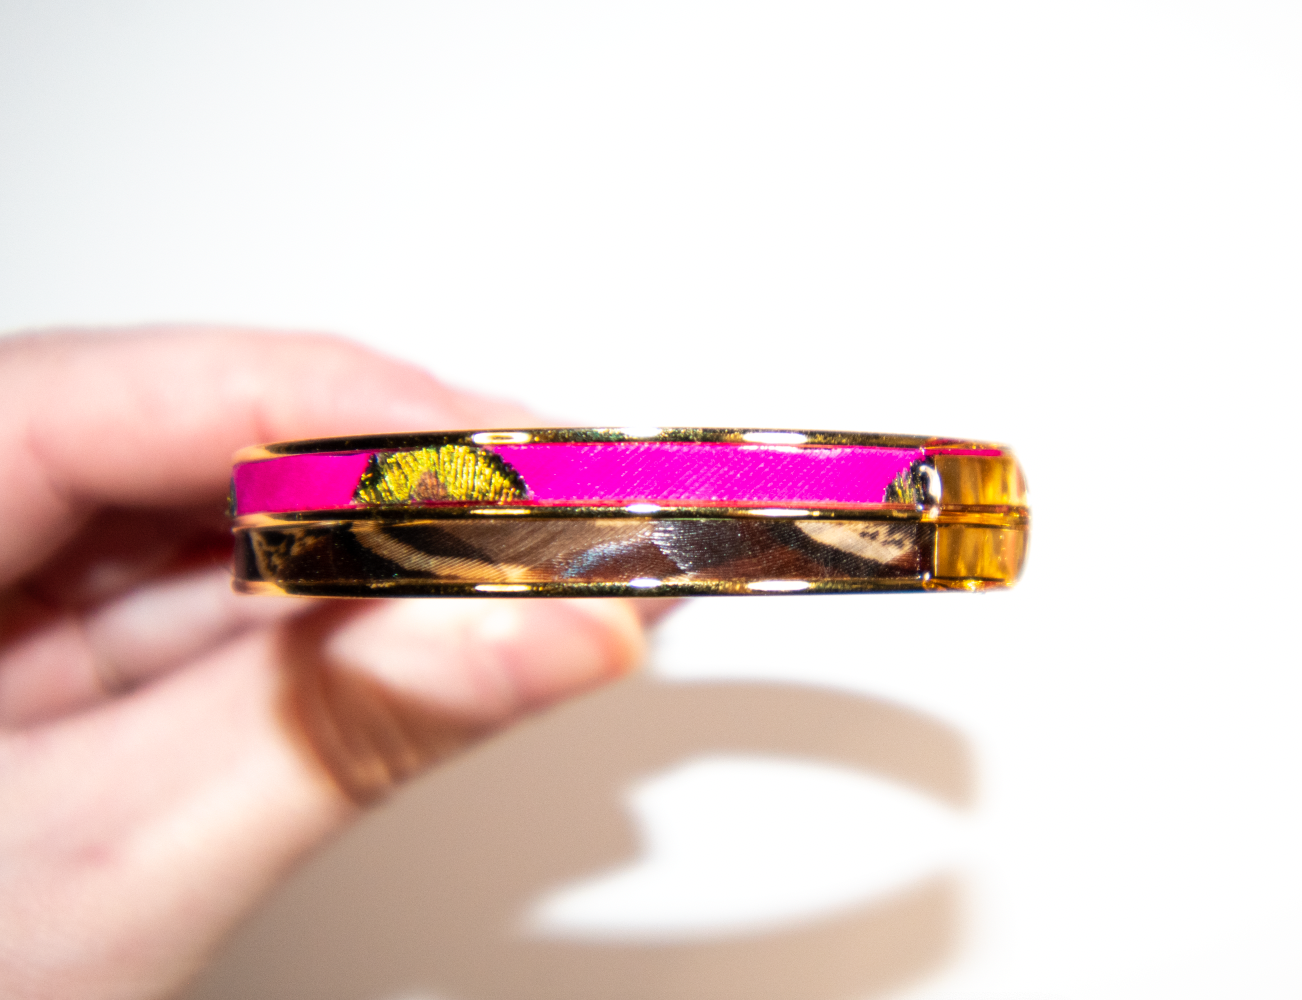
168 749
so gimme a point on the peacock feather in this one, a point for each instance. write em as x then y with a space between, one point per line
450 473
908 487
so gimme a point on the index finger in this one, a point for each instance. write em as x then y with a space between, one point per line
152 417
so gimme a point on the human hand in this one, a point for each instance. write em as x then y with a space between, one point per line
168 749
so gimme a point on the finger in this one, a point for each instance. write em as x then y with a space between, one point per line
117 549
496 658
653 610
191 796
56 661
152 418
75 633
169 621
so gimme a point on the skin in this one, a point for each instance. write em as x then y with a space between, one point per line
168 749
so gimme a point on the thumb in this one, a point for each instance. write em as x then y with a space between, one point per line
138 833
374 696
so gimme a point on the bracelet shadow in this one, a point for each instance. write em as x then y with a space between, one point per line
420 899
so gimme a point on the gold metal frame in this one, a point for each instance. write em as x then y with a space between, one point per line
589 435
977 528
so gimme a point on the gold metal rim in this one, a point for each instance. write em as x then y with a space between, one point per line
712 588
992 515
579 435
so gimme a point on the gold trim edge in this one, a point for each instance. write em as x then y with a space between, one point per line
700 588
994 516
783 437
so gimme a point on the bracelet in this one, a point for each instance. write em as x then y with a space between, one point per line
657 512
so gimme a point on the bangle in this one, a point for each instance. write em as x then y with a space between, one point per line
626 512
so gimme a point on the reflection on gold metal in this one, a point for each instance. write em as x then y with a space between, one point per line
432 475
501 437
979 553
979 480
790 438
880 541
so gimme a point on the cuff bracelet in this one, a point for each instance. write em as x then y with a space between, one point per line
626 512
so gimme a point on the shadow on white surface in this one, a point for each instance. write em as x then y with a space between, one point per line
470 884
712 831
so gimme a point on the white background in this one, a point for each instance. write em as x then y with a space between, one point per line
1073 228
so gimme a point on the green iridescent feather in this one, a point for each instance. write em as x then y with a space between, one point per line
453 472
